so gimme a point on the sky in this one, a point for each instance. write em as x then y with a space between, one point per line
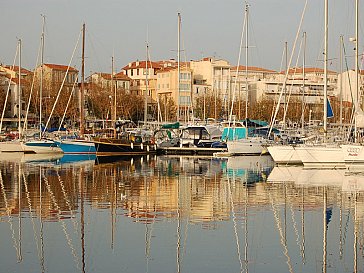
209 28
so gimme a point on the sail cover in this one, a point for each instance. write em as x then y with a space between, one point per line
330 113
359 119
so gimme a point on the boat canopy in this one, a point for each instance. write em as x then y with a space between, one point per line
171 125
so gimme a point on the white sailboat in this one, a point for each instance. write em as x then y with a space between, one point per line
41 145
248 145
354 153
353 156
286 153
14 146
326 155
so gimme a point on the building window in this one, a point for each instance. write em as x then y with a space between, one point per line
185 87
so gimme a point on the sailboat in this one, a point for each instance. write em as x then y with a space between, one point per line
326 155
286 153
79 146
14 145
354 153
248 145
125 143
41 145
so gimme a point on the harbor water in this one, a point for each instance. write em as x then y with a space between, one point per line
177 214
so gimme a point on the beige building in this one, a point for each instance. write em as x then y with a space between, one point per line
245 78
213 73
121 81
139 72
9 79
12 71
313 84
54 75
167 87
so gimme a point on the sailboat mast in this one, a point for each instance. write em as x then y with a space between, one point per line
41 77
324 241
82 91
146 87
178 64
113 90
285 88
325 67
341 79
303 82
19 92
357 51
246 61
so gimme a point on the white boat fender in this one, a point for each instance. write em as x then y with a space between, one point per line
132 145
147 148
141 146
155 147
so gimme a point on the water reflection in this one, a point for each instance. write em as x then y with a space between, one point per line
177 214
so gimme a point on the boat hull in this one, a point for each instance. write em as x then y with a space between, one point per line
353 156
76 147
117 147
11 147
321 157
284 154
247 146
41 146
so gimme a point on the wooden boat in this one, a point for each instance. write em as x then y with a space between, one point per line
123 146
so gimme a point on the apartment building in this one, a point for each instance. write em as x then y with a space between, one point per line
13 71
167 86
245 78
140 72
213 73
103 80
9 80
54 75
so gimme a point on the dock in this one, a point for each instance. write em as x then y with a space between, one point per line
189 150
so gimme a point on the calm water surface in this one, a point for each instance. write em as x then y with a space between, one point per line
177 214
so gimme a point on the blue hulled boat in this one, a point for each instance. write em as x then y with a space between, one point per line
76 146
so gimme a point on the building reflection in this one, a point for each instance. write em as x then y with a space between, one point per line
203 191
145 188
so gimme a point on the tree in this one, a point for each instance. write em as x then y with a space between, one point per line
168 108
209 104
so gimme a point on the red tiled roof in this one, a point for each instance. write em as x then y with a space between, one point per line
121 76
61 67
142 64
16 69
118 76
253 68
16 80
167 69
106 76
174 67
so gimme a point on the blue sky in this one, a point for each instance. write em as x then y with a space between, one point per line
209 28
